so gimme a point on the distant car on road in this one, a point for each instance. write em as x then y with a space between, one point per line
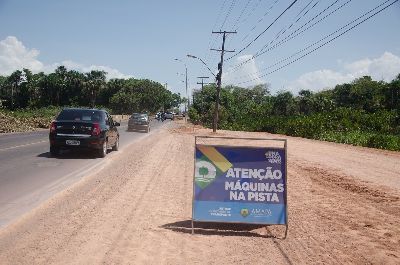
169 115
78 128
139 121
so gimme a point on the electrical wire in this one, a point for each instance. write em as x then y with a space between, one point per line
249 14
283 31
228 14
244 48
213 37
327 42
241 14
293 35
260 20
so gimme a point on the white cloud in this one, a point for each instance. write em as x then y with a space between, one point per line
15 56
248 71
385 67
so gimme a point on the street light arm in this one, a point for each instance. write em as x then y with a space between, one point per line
195 57
179 60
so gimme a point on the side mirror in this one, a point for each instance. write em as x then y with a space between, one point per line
117 124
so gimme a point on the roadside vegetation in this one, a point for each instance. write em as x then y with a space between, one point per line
364 112
25 90
29 101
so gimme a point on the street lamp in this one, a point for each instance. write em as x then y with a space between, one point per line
186 84
195 57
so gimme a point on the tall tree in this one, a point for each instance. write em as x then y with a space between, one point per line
95 81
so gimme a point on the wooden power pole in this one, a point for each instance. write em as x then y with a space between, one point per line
219 75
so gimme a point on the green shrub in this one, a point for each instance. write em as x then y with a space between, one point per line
193 115
389 142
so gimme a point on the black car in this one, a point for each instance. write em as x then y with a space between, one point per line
77 128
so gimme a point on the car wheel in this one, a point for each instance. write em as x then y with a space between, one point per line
103 151
116 145
54 151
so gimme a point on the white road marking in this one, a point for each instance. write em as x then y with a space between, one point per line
22 145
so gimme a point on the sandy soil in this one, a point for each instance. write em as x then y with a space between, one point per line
344 208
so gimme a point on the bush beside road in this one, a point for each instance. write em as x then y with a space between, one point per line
343 202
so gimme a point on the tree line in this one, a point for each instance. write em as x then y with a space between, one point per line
24 89
363 112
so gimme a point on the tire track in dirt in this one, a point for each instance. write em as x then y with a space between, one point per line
136 211
87 220
129 200
355 216
65 217
301 246
142 215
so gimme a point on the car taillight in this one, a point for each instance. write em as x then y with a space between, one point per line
53 127
96 129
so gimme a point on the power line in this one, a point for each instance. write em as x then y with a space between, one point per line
304 8
214 38
260 20
291 36
263 30
260 52
327 36
231 7
329 41
291 25
228 14
241 13
249 14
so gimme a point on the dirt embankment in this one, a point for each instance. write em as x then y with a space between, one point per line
9 124
344 207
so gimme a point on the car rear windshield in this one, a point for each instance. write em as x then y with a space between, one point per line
80 115
137 116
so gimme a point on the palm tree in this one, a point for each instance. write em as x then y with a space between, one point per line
95 80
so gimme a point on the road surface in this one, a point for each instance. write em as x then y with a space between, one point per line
30 175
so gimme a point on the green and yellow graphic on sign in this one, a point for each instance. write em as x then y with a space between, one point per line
211 165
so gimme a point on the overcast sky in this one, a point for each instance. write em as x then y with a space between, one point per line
307 47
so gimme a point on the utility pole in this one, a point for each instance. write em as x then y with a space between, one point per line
186 82
187 95
202 85
219 75
12 96
202 81
166 88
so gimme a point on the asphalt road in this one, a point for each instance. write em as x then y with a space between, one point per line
29 174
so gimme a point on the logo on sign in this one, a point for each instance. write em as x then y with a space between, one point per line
244 212
205 173
273 157
261 212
